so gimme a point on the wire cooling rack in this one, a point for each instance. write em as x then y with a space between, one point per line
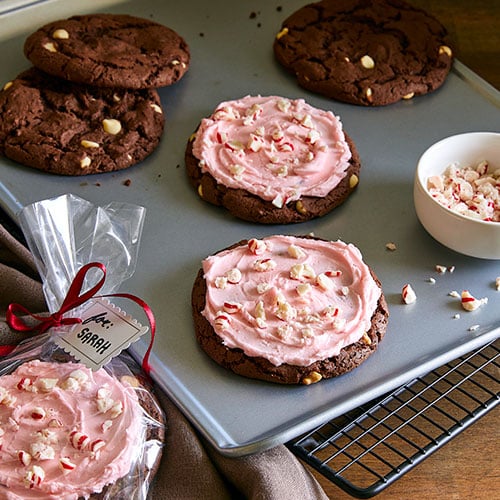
367 449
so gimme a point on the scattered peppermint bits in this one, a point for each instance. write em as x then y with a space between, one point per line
473 328
497 283
408 294
469 191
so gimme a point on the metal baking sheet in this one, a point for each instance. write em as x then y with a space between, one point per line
231 45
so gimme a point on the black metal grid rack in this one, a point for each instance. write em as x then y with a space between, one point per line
382 440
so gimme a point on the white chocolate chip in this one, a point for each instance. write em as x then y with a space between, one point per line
367 62
156 108
282 33
263 265
85 162
50 47
89 144
60 34
111 126
444 49
312 378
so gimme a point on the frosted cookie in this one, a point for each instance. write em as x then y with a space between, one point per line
369 53
109 50
272 160
291 310
69 129
68 432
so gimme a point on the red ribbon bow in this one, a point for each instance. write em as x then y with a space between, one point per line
74 298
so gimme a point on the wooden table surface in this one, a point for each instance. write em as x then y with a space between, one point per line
468 467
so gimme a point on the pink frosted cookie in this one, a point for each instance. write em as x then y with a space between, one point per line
272 160
67 432
286 309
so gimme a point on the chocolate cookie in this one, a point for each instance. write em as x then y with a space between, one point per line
68 129
109 50
318 320
365 52
279 157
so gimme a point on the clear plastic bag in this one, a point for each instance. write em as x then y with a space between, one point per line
65 234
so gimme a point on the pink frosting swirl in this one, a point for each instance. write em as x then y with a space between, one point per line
66 431
288 299
275 148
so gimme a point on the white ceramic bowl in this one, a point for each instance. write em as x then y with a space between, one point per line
463 234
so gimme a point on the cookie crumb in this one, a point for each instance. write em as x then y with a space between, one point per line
390 246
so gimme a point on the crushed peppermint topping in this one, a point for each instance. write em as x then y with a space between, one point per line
470 191
408 294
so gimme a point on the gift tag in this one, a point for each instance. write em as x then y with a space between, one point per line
105 331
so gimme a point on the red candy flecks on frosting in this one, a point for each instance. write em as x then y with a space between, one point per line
65 431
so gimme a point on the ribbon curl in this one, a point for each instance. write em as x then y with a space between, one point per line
74 298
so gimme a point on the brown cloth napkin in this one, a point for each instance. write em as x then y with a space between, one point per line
191 468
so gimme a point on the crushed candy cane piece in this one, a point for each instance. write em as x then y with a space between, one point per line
302 272
469 191
79 440
454 294
257 247
473 328
408 294
38 413
47 384
440 269
497 283
106 425
456 316
232 307
324 281
263 265
233 276
222 321
42 451
66 465
96 445
431 280
24 457
34 477
469 302
260 314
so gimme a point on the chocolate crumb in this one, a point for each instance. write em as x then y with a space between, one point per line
127 182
